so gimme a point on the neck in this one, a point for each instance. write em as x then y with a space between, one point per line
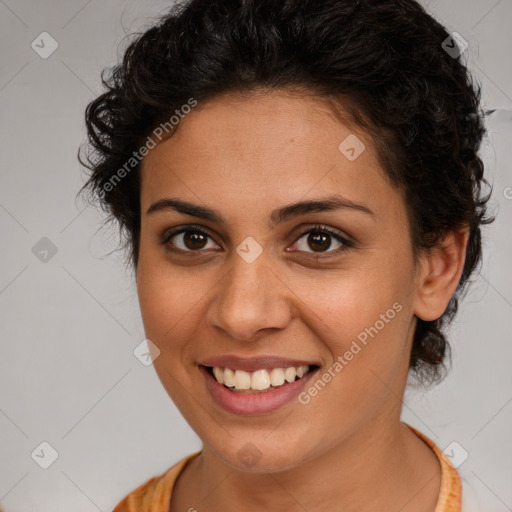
375 468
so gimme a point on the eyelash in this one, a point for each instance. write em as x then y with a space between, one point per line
318 228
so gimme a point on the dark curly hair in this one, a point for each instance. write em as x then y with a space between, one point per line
384 61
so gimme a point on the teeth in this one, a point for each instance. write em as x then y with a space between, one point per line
290 374
259 380
242 380
219 374
229 377
277 377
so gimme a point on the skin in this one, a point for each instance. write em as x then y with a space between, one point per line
245 156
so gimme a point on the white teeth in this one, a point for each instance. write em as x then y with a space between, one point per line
258 380
290 374
277 377
301 370
242 380
219 374
229 377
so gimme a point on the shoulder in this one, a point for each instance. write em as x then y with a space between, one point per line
155 494
450 493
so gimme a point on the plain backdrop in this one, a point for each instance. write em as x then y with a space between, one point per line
69 313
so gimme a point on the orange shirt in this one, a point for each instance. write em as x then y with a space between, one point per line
155 494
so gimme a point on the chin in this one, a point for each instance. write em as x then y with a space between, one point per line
260 456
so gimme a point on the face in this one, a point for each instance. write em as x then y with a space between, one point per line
239 278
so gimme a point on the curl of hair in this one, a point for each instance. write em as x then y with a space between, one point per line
382 61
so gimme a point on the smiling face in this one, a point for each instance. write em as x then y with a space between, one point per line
263 279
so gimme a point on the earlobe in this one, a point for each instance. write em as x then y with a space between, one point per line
440 270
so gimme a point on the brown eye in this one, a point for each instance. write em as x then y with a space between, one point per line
188 240
194 240
320 240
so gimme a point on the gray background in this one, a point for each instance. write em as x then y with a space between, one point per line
68 375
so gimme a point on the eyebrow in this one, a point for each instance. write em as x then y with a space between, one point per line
277 216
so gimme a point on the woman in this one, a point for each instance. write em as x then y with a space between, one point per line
300 191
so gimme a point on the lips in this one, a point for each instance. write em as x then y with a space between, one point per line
249 401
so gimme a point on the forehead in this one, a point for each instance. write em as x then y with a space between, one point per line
250 149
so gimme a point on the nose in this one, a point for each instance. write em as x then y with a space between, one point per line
250 300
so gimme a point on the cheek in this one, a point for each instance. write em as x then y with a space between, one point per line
343 306
168 312
165 298
363 321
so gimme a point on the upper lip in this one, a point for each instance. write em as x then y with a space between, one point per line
251 364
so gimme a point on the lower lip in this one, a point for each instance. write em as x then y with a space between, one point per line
254 403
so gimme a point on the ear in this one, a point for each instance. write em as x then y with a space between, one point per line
439 274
